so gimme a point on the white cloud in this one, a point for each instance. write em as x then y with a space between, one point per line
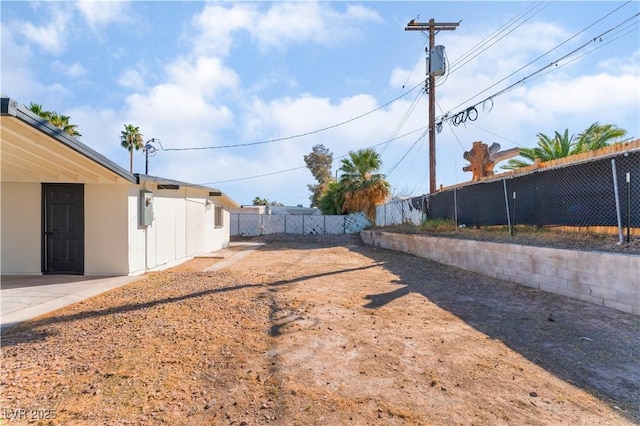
183 118
626 65
279 76
288 22
101 13
52 36
215 25
589 98
283 24
131 79
18 80
71 70
203 75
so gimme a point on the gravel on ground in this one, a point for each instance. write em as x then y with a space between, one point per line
323 330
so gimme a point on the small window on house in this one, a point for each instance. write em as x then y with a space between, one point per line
218 215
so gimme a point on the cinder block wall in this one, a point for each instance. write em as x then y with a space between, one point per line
608 279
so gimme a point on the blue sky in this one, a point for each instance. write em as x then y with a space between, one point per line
202 75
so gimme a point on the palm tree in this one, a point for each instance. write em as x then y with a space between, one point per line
130 139
361 186
60 121
597 136
37 108
332 199
562 145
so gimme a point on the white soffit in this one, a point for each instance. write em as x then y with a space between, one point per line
29 155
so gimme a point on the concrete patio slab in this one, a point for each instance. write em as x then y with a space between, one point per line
25 297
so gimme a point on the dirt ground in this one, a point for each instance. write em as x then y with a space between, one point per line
323 330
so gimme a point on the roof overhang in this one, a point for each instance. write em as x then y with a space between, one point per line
159 184
33 150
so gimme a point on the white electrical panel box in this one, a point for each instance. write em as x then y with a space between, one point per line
146 208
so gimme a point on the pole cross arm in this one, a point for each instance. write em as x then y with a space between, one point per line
425 26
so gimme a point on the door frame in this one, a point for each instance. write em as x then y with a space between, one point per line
44 241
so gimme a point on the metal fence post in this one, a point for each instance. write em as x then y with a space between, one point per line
455 206
628 207
506 201
617 196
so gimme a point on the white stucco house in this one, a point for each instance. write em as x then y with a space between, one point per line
66 209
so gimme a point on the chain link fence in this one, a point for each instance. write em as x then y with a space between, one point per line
596 192
264 224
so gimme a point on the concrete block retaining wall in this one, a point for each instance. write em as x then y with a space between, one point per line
608 279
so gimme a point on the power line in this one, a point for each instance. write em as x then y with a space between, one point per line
294 136
405 117
475 51
497 135
540 57
471 113
414 63
420 138
454 66
634 26
304 167
454 133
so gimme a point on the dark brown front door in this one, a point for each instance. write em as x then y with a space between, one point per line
63 228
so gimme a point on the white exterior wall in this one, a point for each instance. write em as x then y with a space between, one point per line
182 227
105 236
115 243
218 238
137 235
197 217
168 212
204 237
21 236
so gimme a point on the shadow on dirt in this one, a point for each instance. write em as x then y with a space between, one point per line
33 330
593 347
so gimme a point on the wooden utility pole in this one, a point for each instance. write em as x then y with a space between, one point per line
432 27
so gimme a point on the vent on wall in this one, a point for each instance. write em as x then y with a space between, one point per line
168 186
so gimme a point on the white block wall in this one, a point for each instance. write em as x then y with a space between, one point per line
608 279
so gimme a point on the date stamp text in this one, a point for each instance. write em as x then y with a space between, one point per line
28 414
